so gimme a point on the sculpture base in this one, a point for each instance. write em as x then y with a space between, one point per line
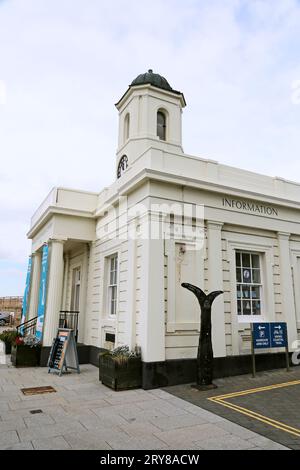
204 388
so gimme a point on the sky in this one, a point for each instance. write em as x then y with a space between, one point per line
65 63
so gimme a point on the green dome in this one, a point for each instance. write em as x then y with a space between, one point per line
152 79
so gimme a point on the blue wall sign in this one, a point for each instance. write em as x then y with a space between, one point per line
269 335
26 294
261 335
278 335
42 294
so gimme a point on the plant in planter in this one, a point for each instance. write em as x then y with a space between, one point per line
121 369
8 337
26 351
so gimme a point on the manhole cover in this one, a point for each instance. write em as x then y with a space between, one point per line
37 390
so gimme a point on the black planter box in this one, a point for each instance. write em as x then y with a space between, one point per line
25 356
7 347
119 376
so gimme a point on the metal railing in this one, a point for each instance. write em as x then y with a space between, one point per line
69 319
28 327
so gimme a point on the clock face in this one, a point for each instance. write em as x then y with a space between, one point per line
123 165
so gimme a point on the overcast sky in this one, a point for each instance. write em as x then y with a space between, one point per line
64 63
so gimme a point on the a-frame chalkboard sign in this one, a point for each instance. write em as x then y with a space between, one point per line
63 354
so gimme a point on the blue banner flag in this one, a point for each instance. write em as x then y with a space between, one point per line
26 294
42 294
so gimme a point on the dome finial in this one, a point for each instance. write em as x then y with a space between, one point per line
151 78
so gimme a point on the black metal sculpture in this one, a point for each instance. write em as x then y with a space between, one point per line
205 349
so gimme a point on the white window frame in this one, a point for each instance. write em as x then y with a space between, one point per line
258 244
165 112
126 130
73 288
250 284
295 255
112 286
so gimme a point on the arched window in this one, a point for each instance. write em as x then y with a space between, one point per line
126 127
161 125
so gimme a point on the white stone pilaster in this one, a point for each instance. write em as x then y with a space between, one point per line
54 291
83 294
66 274
131 286
215 282
152 294
287 292
89 295
35 284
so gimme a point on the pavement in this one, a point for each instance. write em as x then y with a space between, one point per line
267 404
84 414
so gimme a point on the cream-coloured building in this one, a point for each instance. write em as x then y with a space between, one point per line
119 257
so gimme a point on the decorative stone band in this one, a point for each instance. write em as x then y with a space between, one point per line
250 207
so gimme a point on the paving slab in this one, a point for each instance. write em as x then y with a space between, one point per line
167 408
12 424
138 429
3 407
21 446
224 443
84 414
177 422
86 441
38 420
189 435
7 438
49 430
137 443
264 443
54 443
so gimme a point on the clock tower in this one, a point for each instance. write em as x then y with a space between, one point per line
149 116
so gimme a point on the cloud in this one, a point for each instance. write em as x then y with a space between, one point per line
12 279
295 90
2 92
65 65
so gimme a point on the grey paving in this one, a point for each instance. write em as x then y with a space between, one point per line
21 446
225 442
84 414
279 404
188 436
7 438
55 443
86 441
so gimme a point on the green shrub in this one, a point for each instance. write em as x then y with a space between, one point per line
9 336
122 354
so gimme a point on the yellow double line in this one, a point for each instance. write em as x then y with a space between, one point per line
222 400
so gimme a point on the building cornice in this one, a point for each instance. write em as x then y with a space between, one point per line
144 175
54 210
150 88
283 235
205 185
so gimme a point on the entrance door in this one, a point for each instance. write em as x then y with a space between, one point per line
75 297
